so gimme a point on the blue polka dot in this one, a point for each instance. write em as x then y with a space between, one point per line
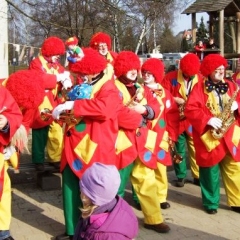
190 129
147 156
234 150
161 154
174 82
77 165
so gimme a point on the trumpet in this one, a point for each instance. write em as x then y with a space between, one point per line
65 117
175 156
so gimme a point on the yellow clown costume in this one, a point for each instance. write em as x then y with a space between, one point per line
8 110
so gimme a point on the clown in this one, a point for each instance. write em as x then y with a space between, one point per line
10 121
102 43
207 102
138 146
180 84
93 138
166 124
49 133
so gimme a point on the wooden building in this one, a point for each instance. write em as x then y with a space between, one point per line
220 11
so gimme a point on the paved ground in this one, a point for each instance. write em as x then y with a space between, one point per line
38 214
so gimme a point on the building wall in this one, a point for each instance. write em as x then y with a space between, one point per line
3 40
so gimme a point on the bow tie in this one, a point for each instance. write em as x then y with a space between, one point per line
220 87
52 65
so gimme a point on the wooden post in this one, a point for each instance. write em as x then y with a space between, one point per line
238 32
211 25
221 31
194 28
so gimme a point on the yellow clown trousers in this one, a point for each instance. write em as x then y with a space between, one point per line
55 142
192 160
162 182
146 187
5 203
231 179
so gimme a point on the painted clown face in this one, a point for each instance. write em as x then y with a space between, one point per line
132 74
218 74
103 49
55 58
148 78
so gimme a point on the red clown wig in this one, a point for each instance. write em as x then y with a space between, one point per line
26 87
53 46
100 37
126 61
91 63
212 62
155 67
190 64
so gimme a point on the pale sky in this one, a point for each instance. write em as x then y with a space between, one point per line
184 21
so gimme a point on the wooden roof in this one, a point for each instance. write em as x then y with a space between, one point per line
212 6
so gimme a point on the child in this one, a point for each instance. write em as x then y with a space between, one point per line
104 215
75 52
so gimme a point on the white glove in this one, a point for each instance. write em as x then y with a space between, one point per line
67 83
61 108
8 152
65 79
215 122
234 106
62 76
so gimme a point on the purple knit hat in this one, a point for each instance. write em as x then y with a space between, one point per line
100 183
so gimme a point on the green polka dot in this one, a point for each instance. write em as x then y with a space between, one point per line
80 127
162 123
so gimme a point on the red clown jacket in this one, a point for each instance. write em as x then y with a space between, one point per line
174 83
200 107
166 124
52 89
93 139
10 109
140 142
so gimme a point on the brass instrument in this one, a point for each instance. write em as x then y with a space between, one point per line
181 108
175 156
137 96
227 117
65 117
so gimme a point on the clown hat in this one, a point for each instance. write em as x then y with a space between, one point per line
190 64
71 41
155 67
27 88
100 37
126 61
91 63
53 46
212 62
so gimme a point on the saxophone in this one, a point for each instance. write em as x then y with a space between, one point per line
227 117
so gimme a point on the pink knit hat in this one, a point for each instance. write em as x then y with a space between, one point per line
100 183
